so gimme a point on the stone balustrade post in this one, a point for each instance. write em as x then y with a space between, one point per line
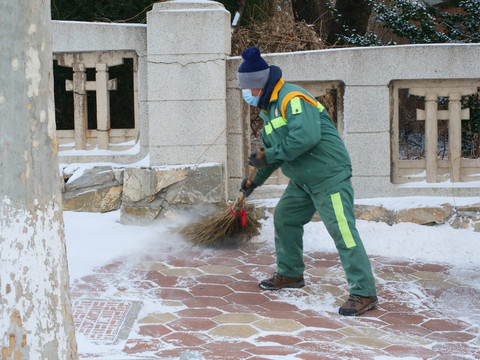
103 105
431 136
455 135
80 105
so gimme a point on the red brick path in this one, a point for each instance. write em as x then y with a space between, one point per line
208 301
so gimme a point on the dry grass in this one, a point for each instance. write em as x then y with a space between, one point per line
281 33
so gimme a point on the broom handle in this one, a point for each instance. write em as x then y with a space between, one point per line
251 176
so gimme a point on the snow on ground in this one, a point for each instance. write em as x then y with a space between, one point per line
96 239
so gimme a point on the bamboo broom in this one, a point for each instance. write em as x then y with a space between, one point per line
236 219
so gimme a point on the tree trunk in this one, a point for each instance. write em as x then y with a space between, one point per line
312 12
35 308
355 14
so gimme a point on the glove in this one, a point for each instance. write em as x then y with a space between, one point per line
247 190
255 161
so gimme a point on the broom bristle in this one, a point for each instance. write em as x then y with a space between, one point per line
222 226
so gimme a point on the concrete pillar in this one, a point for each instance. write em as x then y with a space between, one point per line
367 132
188 43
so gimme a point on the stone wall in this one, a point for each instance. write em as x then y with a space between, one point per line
141 194
192 112
459 217
144 194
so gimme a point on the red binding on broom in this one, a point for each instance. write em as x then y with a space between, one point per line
243 214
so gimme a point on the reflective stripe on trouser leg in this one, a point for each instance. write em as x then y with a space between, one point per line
354 259
294 210
341 220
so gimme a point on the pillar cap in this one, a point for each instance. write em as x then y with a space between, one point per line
187 4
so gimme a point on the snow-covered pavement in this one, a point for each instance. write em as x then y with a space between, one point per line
144 293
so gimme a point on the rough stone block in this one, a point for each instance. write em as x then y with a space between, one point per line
202 185
165 178
96 176
150 192
140 215
94 200
423 216
137 184
370 212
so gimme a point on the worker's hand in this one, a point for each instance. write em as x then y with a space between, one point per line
256 161
247 190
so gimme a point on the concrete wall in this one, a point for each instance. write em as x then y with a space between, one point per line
192 112
367 74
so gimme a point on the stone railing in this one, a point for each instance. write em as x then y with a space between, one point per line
370 79
103 137
97 47
432 169
190 111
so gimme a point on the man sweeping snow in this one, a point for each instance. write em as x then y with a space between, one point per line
299 136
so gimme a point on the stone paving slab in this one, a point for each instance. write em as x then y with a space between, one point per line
206 302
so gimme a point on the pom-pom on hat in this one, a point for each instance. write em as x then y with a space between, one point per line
253 71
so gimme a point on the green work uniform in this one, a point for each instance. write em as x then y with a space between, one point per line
300 137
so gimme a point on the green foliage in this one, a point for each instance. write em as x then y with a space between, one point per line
136 11
456 21
255 12
421 23
101 10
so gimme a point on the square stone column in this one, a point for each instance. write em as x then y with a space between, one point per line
188 44
367 138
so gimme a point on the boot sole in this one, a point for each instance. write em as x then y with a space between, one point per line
292 286
370 306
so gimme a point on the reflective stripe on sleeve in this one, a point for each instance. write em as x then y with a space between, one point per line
275 124
278 122
268 129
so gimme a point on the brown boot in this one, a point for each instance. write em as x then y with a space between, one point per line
357 305
277 282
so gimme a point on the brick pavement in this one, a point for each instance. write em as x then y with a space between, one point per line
205 301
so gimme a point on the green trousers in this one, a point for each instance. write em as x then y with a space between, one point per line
335 207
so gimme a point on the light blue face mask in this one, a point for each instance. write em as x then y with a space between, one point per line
249 98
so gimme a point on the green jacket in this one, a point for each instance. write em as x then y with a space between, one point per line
303 142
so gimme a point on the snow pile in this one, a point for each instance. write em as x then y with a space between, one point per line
437 244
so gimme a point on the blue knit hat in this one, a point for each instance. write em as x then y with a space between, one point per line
253 71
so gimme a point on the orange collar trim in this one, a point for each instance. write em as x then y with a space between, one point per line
276 89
